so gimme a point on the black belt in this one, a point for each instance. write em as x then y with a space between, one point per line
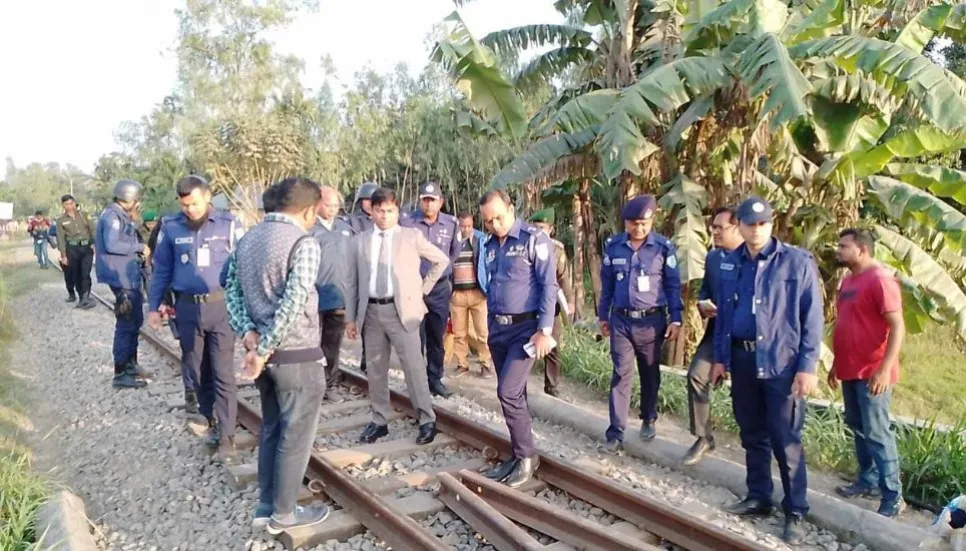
201 299
389 300
511 319
747 346
81 243
638 314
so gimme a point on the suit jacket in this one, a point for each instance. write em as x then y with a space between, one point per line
408 288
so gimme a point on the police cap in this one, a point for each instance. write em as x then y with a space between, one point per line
641 207
430 189
754 210
544 215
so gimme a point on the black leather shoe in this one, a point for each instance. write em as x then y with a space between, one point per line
71 298
427 433
373 432
439 389
550 391
127 380
749 506
190 402
524 471
648 432
503 471
794 532
698 449
214 433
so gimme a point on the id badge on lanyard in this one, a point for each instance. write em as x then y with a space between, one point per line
204 257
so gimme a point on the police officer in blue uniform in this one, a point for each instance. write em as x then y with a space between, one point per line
520 300
726 238
192 248
118 260
360 219
768 336
442 230
333 235
640 289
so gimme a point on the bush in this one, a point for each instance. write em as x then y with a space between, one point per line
933 462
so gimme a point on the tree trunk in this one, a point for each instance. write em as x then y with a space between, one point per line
592 247
579 247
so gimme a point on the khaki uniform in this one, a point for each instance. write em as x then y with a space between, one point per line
75 236
73 230
551 373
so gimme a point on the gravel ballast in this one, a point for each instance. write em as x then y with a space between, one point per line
150 484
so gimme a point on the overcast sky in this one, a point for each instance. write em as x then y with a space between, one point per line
73 71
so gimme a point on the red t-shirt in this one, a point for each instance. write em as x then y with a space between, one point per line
861 332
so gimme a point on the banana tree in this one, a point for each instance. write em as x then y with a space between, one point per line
823 107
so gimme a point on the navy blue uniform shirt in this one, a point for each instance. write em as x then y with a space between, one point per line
116 246
445 234
788 319
188 260
522 274
745 326
642 279
709 284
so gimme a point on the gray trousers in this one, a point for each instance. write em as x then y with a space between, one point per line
291 398
699 388
383 332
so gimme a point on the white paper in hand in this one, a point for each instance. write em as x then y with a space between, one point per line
532 352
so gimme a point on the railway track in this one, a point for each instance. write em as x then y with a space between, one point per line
443 481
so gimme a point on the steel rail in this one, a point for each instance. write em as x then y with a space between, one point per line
483 517
392 526
562 525
403 532
665 521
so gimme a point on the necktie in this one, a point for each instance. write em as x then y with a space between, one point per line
382 269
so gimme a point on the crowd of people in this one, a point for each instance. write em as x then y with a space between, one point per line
292 286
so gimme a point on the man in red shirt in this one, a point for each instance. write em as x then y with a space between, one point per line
866 343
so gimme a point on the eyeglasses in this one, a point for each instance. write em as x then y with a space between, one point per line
715 227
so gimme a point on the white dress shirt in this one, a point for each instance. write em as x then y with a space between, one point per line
374 258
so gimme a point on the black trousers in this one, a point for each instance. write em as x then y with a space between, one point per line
433 329
77 274
332 324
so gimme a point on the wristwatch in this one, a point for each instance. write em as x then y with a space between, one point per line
546 330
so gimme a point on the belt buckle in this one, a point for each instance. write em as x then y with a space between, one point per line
635 314
503 320
749 346
201 299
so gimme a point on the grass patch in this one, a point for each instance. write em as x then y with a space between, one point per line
21 492
932 385
933 462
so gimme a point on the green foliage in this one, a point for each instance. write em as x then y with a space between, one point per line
40 186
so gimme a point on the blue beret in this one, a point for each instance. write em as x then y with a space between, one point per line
641 207
754 210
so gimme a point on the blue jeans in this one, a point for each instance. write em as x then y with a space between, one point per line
40 251
875 442
291 397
